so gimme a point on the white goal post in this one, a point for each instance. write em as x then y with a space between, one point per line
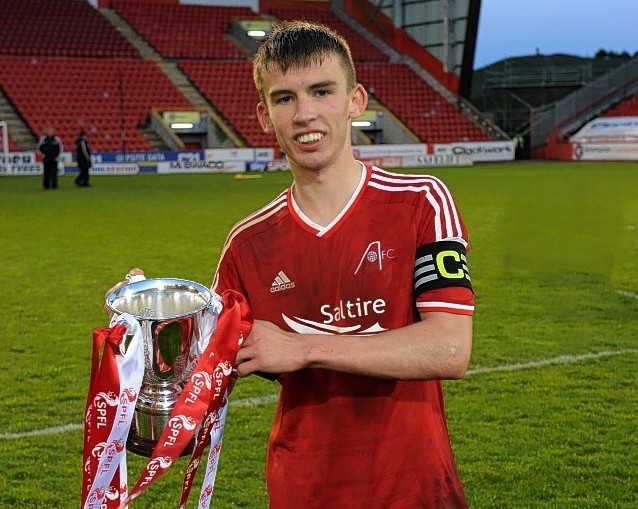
4 137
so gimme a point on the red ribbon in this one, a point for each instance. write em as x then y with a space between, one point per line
101 406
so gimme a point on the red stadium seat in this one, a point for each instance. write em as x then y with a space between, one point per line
626 108
186 31
431 117
53 97
61 28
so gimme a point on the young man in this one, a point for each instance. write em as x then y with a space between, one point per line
358 281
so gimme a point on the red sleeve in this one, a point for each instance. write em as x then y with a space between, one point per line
227 273
452 299
439 223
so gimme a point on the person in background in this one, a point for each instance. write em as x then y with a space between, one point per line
50 146
83 158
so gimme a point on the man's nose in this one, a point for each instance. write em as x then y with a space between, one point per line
306 109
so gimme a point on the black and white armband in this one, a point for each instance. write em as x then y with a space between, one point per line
439 265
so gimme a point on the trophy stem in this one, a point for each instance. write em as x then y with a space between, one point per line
152 412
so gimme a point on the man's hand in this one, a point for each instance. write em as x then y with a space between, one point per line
131 273
269 349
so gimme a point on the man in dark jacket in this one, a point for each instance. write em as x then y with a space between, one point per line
50 147
83 158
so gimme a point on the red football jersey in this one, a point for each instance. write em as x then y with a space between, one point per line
342 440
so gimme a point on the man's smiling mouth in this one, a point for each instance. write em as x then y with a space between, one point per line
309 138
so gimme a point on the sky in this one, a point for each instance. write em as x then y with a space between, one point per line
512 28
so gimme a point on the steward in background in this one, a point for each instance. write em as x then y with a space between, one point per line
50 146
83 158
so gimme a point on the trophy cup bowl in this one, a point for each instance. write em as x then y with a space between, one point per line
171 313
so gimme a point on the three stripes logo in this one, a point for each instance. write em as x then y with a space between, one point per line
281 282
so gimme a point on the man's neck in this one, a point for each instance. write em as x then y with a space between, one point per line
322 195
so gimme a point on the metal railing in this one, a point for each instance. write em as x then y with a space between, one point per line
584 104
552 75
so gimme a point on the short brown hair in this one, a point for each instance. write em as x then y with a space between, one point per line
300 43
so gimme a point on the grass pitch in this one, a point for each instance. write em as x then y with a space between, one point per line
546 418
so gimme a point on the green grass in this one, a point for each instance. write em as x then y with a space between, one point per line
554 265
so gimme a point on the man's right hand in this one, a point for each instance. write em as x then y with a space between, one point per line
131 273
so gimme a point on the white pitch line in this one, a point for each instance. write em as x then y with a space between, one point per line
271 398
561 359
625 293
253 402
39 432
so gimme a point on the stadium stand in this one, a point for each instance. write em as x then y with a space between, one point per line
625 108
63 28
186 31
63 64
59 66
431 117
228 85
98 95
556 122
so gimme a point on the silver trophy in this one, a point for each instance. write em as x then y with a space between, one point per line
177 317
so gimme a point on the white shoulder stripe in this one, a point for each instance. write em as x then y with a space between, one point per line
432 199
437 193
401 179
252 220
453 209
256 217
265 210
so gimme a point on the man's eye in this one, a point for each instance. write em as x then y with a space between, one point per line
284 99
323 93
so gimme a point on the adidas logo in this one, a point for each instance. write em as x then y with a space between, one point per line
281 282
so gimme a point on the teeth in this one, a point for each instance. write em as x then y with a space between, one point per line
309 138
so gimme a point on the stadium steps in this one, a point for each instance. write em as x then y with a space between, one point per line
172 71
181 81
195 97
18 129
137 41
153 138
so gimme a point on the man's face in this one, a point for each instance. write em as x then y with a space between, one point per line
309 109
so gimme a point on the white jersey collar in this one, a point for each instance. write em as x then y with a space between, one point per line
320 229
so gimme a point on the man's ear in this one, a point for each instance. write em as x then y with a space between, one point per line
358 101
264 118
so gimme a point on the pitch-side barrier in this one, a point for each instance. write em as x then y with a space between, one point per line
243 160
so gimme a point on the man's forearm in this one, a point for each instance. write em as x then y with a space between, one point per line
438 347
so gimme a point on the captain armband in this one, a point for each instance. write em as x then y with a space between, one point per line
440 265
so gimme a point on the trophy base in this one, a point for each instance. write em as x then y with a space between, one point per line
145 446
